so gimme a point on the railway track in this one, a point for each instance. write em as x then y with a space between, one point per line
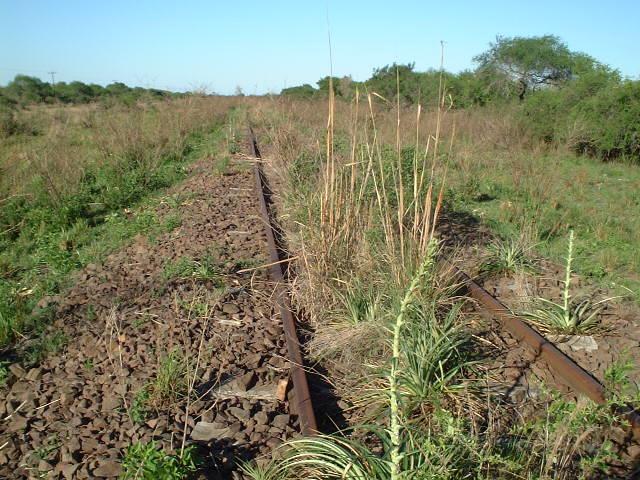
581 382
75 414
183 339
301 396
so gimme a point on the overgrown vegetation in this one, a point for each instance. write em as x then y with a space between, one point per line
25 90
561 97
84 184
149 462
362 218
573 315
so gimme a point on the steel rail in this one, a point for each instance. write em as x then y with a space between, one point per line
577 378
301 394
569 371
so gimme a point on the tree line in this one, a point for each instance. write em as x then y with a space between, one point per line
561 96
24 90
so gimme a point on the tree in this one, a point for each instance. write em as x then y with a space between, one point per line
530 63
384 82
323 85
25 89
301 91
74 92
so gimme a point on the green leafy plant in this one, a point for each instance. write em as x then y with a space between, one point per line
434 363
170 382
573 315
149 462
507 256
188 268
139 409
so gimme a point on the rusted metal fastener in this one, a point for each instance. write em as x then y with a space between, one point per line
302 397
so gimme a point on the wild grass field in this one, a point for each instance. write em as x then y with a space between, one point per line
362 183
78 181
521 187
361 195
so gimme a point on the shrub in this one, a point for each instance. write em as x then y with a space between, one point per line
147 461
611 122
8 124
595 114
302 91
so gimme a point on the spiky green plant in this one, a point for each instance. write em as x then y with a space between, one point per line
434 362
360 304
507 256
577 315
395 418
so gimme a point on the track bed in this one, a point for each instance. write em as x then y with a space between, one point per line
177 298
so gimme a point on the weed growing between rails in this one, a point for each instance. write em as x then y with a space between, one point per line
572 316
361 213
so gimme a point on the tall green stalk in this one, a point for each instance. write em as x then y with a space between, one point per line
566 297
394 401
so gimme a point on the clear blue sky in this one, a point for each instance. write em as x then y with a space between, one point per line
262 46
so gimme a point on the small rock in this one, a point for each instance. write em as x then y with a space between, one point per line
67 469
18 423
108 469
261 418
152 423
273 442
583 342
230 308
44 466
110 402
633 451
239 413
34 374
245 382
205 432
281 421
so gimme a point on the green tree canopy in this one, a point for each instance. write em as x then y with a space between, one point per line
26 89
530 63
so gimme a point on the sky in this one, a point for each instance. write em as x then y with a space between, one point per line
264 46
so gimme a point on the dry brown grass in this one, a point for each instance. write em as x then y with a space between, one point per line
68 140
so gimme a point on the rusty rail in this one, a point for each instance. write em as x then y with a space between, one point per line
570 372
581 381
301 395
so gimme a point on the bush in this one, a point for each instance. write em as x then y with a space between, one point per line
148 461
8 124
610 123
596 114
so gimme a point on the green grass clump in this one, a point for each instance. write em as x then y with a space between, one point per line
188 268
507 256
139 409
170 383
149 462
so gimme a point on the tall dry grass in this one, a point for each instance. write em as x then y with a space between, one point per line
362 190
69 140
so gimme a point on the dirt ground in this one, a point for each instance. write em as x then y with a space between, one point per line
76 413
